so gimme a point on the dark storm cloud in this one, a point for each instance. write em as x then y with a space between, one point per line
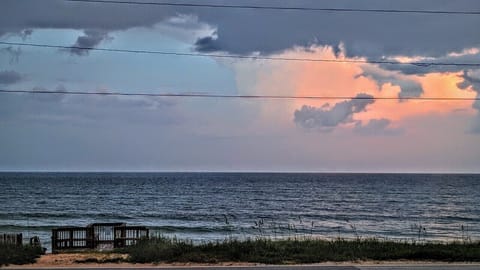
368 34
10 77
376 127
22 17
16 16
409 88
326 118
90 39
245 31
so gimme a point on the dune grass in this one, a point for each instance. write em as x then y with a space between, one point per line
270 251
290 251
19 254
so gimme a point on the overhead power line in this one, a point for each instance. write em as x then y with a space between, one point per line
207 95
236 56
291 8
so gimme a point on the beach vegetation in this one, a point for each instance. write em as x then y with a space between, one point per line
19 254
297 250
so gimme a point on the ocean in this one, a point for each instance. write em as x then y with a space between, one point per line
215 206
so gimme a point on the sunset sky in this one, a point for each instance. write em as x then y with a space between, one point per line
125 133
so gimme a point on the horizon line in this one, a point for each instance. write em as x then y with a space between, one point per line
239 171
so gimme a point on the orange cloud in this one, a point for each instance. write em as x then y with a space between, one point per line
345 79
434 85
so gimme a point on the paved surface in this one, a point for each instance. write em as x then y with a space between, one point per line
312 267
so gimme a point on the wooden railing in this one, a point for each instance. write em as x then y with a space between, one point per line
11 239
129 235
72 238
97 235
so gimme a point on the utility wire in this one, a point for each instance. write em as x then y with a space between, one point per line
206 95
419 64
294 8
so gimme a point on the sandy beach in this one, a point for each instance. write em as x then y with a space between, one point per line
91 260
80 260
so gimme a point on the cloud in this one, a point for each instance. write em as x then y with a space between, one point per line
207 44
364 34
26 33
90 39
10 77
42 97
326 118
373 35
472 79
185 28
16 16
327 79
468 55
13 54
376 127
82 109
409 87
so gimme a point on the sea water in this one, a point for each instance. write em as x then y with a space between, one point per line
215 206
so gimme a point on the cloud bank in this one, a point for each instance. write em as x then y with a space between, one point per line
372 35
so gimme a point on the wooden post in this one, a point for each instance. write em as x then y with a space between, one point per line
71 238
124 237
54 240
19 239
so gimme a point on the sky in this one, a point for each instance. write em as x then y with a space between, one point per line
61 132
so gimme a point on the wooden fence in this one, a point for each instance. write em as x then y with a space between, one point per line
71 238
97 236
129 235
11 239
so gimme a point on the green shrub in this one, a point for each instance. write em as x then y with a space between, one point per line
19 254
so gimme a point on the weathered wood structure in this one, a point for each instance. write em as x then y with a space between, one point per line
97 236
11 239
